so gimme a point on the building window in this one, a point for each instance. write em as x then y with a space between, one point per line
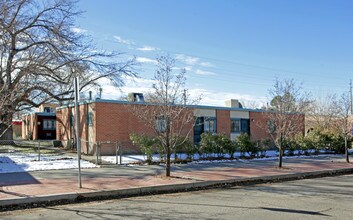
271 126
245 126
48 109
49 124
210 125
161 124
90 119
72 120
235 126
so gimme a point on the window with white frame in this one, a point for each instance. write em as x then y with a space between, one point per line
210 125
161 124
49 124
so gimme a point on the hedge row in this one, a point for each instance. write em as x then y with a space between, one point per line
220 146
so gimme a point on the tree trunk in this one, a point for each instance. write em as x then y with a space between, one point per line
280 157
6 132
346 149
175 155
167 164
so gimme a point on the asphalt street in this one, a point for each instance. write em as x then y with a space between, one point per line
324 198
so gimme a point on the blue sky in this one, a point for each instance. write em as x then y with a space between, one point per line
230 48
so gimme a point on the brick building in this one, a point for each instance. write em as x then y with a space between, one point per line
110 120
40 125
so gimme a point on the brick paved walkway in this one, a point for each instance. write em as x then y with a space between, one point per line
39 183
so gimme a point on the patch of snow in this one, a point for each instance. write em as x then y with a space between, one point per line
269 155
10 163
257 159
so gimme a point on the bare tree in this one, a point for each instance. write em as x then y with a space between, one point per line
322 114
166 112
344 120
251 104
41 53
284 119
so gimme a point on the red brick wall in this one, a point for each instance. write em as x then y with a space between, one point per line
111 122
63 130
223 122
115 122
258 122
30 126
24 127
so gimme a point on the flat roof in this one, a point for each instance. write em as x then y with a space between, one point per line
146 103
41 114
45 113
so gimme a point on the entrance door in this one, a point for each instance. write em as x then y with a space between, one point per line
198 129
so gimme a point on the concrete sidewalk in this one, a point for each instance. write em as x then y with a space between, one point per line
123 181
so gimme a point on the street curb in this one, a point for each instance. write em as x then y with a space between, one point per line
56 199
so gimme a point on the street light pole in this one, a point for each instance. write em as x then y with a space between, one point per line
77 118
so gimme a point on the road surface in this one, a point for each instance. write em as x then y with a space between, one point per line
324 198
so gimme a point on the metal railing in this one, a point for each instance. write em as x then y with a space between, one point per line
11 146
118 151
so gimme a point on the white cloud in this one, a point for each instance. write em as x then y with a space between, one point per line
147 48
209 97
187 59
123 41
215 98
206 64
188 68
204 73
78 30
131 85
137 85
193 61
145 60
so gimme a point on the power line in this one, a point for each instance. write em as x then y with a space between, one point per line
235 78
334 75
253 65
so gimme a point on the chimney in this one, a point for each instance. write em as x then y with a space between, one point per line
232 103
100 92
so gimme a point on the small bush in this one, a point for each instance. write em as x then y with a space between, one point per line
262 146
184 145
265 145
218 144
246 146
304 145
207 144
228 146
190 151
147 145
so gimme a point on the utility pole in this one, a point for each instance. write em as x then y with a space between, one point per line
184 96
350 96
77 118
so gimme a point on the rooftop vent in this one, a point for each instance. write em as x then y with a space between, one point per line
135 97
233 103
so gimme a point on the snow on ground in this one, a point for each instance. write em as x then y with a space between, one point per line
12 162
16 162
270 155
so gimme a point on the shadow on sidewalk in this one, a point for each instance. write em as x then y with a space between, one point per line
21 177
